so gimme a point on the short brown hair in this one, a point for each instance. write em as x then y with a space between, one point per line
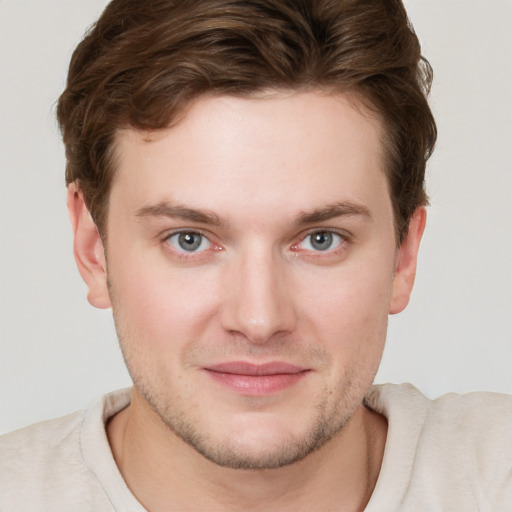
143 62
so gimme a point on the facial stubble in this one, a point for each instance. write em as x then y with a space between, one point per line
328 417
326 422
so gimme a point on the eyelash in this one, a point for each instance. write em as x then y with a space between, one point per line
344 240
189 255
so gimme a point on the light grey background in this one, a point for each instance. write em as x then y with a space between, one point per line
58 353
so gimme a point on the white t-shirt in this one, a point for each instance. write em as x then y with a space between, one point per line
450 454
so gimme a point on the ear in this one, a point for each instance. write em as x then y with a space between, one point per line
405 262
88 249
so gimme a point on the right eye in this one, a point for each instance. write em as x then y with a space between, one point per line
189 241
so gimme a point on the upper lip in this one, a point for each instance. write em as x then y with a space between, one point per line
245 368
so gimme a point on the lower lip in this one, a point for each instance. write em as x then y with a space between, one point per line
257 385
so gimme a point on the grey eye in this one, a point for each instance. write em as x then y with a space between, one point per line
321 241
189 241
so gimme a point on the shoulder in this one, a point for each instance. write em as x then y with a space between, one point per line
458 446
472 419
41 440
33 457
476 412
475 428
51 465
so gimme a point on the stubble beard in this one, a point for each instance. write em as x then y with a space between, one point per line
227 454
328 418
327 421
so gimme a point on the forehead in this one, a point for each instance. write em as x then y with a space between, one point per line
284 148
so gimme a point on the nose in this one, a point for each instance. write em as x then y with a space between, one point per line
258 303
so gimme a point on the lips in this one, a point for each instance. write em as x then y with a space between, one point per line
243 368
256 379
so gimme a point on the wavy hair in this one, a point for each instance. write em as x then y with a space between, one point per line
143 62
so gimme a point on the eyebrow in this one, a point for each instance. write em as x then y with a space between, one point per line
344 208
167 210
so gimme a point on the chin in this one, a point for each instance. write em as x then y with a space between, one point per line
240 456
260 446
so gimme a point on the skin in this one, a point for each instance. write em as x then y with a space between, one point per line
253 181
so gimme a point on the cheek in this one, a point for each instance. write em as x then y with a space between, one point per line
349 298
349 311
156 301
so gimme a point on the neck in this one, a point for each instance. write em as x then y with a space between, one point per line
160 468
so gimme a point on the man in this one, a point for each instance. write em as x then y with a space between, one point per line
245 186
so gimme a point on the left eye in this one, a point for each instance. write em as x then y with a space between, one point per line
321 241
189 241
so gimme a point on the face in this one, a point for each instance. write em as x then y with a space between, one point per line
251 267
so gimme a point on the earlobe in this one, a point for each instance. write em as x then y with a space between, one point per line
88 249
405 263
